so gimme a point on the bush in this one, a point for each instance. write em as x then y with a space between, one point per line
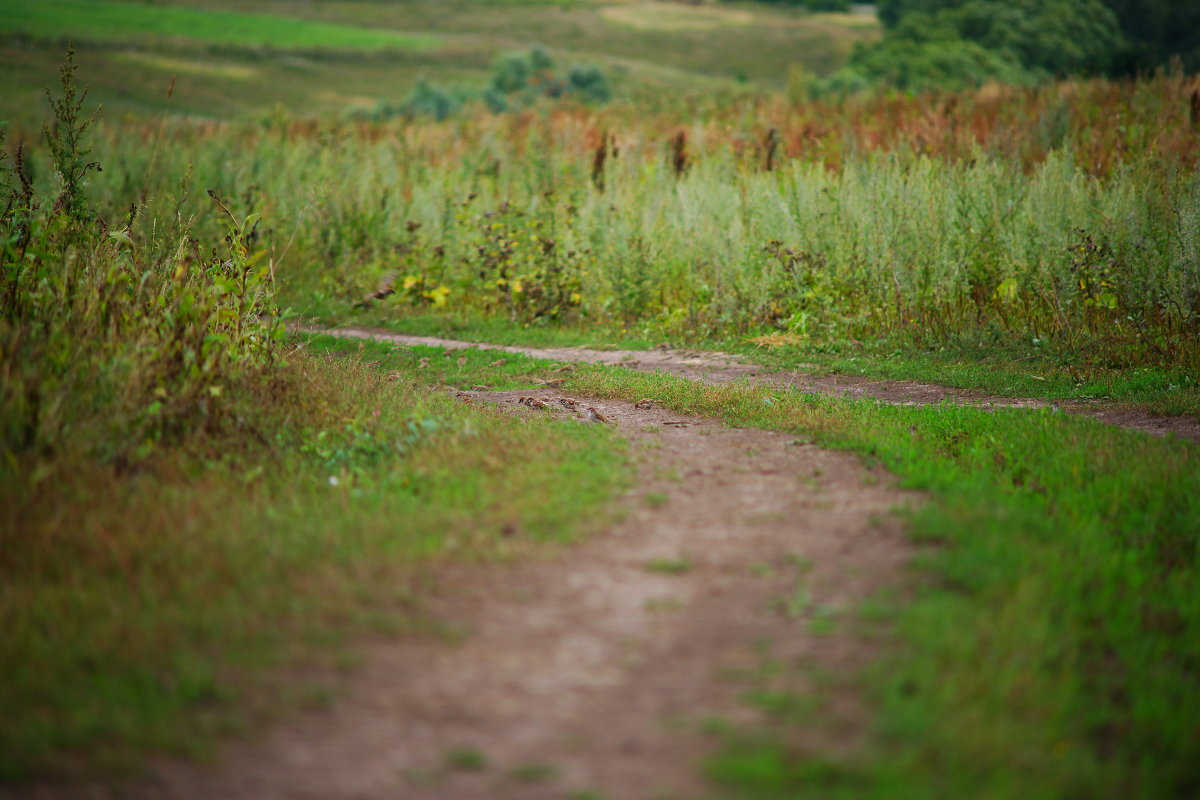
511 73
518 81
430 100
589 84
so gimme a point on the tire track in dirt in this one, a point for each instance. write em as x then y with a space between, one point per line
738 567
720 367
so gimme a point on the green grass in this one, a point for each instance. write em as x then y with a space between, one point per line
107 21
655 499
585 794
534 773
759 50
851 237
150 611
669 566
485 329
245 59
997 368
982 365
467 759
1048 650
220 83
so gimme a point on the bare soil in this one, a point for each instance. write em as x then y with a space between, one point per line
720 367
738 565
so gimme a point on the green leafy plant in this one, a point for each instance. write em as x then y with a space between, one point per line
519 264
65 138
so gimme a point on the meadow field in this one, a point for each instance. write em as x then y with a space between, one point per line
247 59
265 167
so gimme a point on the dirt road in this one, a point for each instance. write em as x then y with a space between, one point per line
599 668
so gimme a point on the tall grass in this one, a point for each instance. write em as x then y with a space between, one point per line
1068 214
118 331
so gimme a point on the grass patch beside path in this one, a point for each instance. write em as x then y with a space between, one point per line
143 610
1008 371
1004 371
1051 651
108 21
487 330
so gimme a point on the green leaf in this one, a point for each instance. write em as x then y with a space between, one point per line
1007 290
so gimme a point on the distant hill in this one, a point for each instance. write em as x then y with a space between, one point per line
233 59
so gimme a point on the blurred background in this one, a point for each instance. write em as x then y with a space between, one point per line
234 59
310 57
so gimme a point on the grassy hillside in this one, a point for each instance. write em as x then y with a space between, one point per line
239 59
101 21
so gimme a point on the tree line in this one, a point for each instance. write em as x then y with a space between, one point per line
951 43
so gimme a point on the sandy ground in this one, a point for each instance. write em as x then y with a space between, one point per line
720 367
591 669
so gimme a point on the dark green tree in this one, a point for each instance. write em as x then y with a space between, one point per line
890 12
1149 33
1156 32
1046 37
955 43
933 60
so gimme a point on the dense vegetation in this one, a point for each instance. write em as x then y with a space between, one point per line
952 43
518 81
995 216
111 341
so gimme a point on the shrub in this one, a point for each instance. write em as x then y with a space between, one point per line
589 83
430 100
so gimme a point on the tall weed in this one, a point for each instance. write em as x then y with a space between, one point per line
1066 215
117 334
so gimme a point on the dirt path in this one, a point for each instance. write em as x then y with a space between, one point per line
593 669
719 367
